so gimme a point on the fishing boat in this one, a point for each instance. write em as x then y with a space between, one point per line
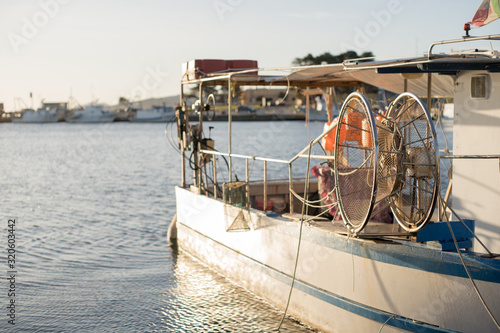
157 114
37 116
366 242
90 114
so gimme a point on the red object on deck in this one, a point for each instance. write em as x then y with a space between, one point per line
200 68
260 204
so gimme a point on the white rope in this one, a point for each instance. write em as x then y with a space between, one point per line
446 206
310 202
306 194
357 168
287 91
251 168
381 327
221 171
468 273
352 259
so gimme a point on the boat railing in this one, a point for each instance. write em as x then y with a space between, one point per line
470 156
464 39
247 158
302 154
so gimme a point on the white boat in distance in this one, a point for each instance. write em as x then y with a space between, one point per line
38 116
90 114
157 114
362 247
322 101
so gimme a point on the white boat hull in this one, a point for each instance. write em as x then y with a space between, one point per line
342 285
155 115
83 116
39 116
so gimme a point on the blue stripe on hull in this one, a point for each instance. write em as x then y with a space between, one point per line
413 256
367 311
359 309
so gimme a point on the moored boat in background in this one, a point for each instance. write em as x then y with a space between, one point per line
90 114
37 116
157 114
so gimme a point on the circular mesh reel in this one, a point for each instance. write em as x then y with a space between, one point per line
355 156
414 197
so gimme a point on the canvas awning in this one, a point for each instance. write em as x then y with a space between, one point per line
387 75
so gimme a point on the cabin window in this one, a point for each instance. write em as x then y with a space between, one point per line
479 86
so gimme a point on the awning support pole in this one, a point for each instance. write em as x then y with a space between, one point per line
183 148
229 119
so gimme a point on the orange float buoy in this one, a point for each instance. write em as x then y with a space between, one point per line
366 134
353 120
329 139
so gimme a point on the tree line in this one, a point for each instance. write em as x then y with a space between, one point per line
328 58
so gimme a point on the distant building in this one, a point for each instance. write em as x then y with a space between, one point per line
267 97
1 108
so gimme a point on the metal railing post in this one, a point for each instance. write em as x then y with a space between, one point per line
247 179
265 186
290 185
214 169
198 160
229 121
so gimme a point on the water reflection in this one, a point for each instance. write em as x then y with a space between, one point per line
201 300
93 252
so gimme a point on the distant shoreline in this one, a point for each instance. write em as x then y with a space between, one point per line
257 116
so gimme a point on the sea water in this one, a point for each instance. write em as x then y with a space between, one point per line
92 204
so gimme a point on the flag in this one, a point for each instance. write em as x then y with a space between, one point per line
488 11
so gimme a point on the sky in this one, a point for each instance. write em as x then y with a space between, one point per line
101 50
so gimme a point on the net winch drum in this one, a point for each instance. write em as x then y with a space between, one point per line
385 161
354 161
415 199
